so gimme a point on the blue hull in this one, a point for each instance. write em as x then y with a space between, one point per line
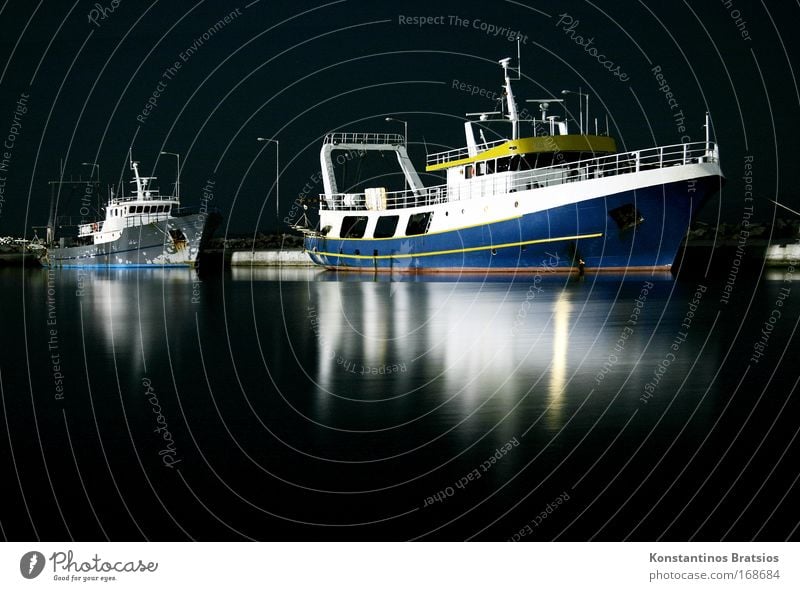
640 229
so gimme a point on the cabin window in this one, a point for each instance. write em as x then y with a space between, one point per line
626 216
418 223
386 226
490 166
503 164
481 169
468 172
353 226
527 162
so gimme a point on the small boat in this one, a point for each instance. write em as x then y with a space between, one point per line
552 199
142 229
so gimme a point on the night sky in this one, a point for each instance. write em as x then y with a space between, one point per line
85 83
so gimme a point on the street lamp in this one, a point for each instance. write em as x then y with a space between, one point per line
91 174
277 172
405 129
580 94
405 141
93 165
177 174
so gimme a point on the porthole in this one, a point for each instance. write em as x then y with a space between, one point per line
516 204
446 213
357 251
462 211
494 251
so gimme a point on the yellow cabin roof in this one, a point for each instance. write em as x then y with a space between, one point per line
532 145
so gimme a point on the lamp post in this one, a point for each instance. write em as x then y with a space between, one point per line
580 94
405 129
91 174
177 174
93 165
405 142
277 173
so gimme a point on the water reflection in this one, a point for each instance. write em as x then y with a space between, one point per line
558 369
471 344
129 308
480 350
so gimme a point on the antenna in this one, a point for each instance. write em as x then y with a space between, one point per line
519 63
510 103
484 115
544 104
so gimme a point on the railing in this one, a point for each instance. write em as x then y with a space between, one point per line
508 182
459 153
154 195
365 138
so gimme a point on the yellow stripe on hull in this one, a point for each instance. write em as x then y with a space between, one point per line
457 250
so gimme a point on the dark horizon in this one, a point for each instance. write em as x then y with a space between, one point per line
86 85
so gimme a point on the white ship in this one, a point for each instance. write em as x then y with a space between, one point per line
549 199
143 229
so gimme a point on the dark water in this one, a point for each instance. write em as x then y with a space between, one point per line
300 405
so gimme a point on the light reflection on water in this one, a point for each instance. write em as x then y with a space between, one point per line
482 348
351 382
469 348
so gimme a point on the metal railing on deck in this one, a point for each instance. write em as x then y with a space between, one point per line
459 153
364 138
537 178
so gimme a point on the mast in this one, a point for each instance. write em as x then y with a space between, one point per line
510 102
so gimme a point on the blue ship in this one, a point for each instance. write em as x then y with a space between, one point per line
552 200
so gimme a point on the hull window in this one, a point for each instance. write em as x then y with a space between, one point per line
386 226
626 216
354 226
418 223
